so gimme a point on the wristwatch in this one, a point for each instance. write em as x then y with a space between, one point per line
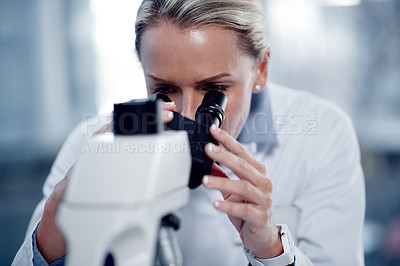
288 256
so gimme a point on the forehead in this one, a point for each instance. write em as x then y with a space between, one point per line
166 46
176 36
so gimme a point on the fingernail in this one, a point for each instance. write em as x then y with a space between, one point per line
170 115
210 147
215 128
206 180
170 104
217 204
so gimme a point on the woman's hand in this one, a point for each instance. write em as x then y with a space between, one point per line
247 201
50 241
49 238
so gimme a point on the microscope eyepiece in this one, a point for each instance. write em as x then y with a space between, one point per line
212 109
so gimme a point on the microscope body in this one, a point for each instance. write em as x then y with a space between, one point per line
126 191
118 193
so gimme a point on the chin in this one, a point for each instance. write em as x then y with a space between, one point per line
234 131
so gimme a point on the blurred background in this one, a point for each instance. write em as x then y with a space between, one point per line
64 61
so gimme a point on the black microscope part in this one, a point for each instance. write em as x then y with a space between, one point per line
144 117
137 117
211 111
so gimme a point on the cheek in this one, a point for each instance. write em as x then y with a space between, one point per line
236 114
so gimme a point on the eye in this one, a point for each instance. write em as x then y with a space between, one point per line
214 88
163 90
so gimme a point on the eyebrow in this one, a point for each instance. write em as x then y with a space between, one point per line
207 80
160 79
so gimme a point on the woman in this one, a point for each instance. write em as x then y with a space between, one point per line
188 48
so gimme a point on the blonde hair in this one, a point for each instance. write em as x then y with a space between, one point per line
245 17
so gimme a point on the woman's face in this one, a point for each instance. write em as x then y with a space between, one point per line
185 64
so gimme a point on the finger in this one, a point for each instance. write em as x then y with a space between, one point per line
246 191
232 145
168 106
240 167
106 128
167 116
217 171
250 213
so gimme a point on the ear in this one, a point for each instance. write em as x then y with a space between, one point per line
262 75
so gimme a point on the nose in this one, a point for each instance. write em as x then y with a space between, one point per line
190 102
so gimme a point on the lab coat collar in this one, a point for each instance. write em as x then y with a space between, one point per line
259 125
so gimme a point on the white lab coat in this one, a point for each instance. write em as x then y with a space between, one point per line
318 188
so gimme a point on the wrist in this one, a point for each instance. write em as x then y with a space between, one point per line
286 258
49 239
274 249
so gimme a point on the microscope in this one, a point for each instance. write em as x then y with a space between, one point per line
123 201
